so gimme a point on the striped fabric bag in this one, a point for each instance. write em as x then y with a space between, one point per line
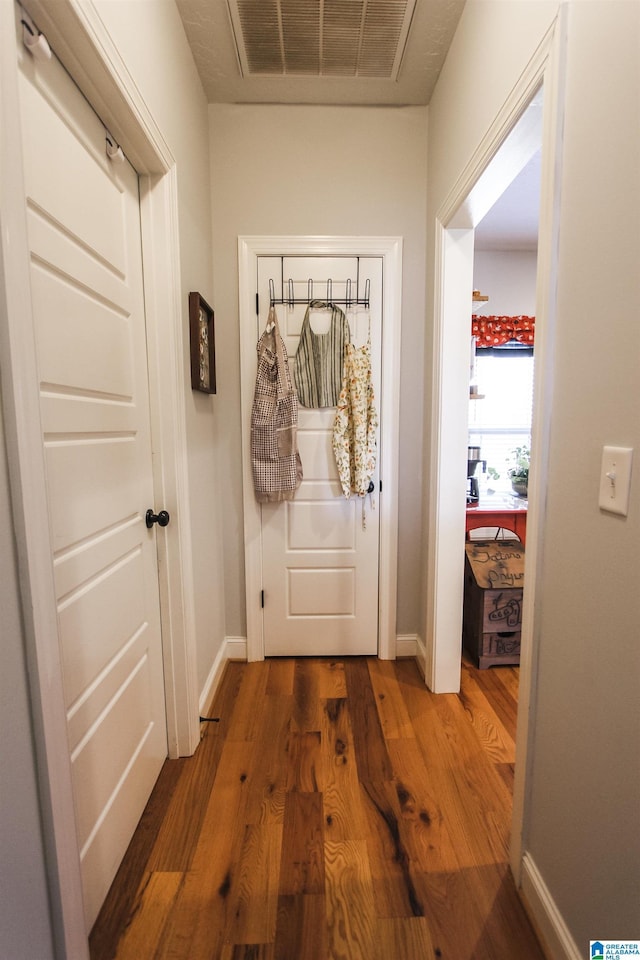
275 461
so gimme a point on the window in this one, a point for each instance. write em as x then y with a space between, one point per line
502 420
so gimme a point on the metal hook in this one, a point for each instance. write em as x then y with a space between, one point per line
288 295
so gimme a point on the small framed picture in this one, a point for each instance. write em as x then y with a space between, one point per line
203 350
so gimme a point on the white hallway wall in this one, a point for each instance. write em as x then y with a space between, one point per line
581 816
586 776
315 171
165 74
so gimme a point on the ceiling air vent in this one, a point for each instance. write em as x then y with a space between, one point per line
321 38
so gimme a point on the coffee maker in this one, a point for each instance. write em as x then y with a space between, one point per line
473 459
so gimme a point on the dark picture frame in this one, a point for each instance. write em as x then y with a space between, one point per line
203 349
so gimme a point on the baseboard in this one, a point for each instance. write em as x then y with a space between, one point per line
236 648
557 942
407 645
232 648
420 654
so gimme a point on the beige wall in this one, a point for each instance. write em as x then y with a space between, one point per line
150 38
493 42
586 779
316 171
508 277
581 813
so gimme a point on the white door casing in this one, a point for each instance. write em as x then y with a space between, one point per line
389 249
86 285
455 221
320 550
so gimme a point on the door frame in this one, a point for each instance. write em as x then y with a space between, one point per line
77 34
390 250
471 197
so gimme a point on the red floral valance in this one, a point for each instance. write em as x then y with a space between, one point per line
494 331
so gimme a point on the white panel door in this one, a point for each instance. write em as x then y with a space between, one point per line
320 551
86 279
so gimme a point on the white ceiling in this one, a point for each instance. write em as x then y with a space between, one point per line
512 222
217 52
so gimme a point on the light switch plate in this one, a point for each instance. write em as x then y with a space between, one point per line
615 479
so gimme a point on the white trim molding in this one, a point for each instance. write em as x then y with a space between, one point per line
236 648
233 648
553 67
453 244
390 249
408 645
159 218
557 942
459 213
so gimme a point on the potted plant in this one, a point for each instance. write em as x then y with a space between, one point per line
519 472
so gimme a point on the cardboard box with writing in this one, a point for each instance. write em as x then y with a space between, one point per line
492 619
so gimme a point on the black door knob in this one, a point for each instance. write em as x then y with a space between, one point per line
162 518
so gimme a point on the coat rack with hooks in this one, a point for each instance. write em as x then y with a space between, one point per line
348 300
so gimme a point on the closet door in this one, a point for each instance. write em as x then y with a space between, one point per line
86 283
320 552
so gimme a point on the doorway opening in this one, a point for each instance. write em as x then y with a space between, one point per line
455 249
503 337
489 170
499 426
500 416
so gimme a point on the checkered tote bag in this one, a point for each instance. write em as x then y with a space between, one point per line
275 461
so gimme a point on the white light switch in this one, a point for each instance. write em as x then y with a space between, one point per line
615 479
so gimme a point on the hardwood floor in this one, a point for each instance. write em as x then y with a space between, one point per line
337 811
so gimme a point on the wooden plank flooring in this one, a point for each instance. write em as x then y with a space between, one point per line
337 811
